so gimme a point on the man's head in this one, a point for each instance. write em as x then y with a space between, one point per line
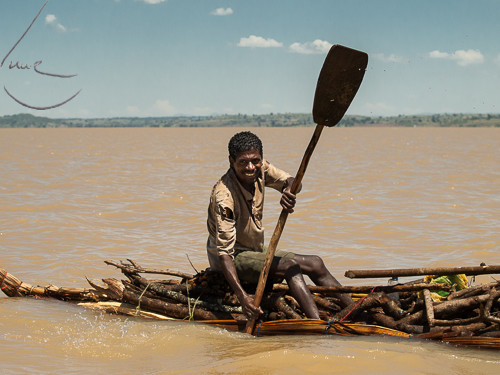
245 157
244 141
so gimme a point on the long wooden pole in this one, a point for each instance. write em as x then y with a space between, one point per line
333 290
441 271
281 224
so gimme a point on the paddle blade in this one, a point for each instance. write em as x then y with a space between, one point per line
338 83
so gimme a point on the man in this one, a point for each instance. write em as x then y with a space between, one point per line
236 237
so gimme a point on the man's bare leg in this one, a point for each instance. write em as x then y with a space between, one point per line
314 267
288 269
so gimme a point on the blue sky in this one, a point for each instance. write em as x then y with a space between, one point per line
204 57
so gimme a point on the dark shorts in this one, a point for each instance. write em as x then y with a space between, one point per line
249 264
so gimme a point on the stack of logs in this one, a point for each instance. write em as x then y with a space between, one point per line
473 311
409 308
405 307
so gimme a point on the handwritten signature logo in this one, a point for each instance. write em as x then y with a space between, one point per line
35 67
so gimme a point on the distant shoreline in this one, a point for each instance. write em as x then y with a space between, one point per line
242 120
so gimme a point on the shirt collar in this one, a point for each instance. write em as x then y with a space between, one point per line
246 194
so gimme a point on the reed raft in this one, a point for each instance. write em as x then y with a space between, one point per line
468 317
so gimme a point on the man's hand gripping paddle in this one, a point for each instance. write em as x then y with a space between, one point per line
338 82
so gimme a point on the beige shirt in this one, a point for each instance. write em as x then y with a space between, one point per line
235 215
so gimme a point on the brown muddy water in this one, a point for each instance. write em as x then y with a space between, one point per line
372 198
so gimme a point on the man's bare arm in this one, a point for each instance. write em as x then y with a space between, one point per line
247 303
288 199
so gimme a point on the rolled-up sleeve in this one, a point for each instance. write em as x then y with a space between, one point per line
275 177
225 229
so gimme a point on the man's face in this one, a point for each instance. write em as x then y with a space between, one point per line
247 167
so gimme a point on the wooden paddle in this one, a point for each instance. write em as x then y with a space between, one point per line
338 82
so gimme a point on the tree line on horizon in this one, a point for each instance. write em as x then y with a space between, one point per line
243 120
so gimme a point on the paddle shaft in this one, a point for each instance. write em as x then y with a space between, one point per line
273 244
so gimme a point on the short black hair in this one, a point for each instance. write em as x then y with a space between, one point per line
244 141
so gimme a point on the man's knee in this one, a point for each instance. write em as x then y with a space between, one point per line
289 263
317 261
310 263
314 267
288 267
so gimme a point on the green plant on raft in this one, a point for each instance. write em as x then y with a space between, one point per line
190 316
138 308
459 282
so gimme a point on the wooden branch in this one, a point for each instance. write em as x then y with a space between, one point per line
472 291
356 307
460 305
441 271
122 308
113 290
448 307
391 308
487 309
13 287
279 303
325 304
456 322
470 329
135 268
429 307
389 322
332 290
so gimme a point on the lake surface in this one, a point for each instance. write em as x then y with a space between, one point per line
372 198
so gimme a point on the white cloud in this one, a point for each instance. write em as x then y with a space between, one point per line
258 41
152 1
392 58
462 57
222 12
133 110
316 47
163 107
439 55
497 59
51 20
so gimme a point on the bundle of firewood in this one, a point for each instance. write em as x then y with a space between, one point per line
404 307
464 311
469 312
